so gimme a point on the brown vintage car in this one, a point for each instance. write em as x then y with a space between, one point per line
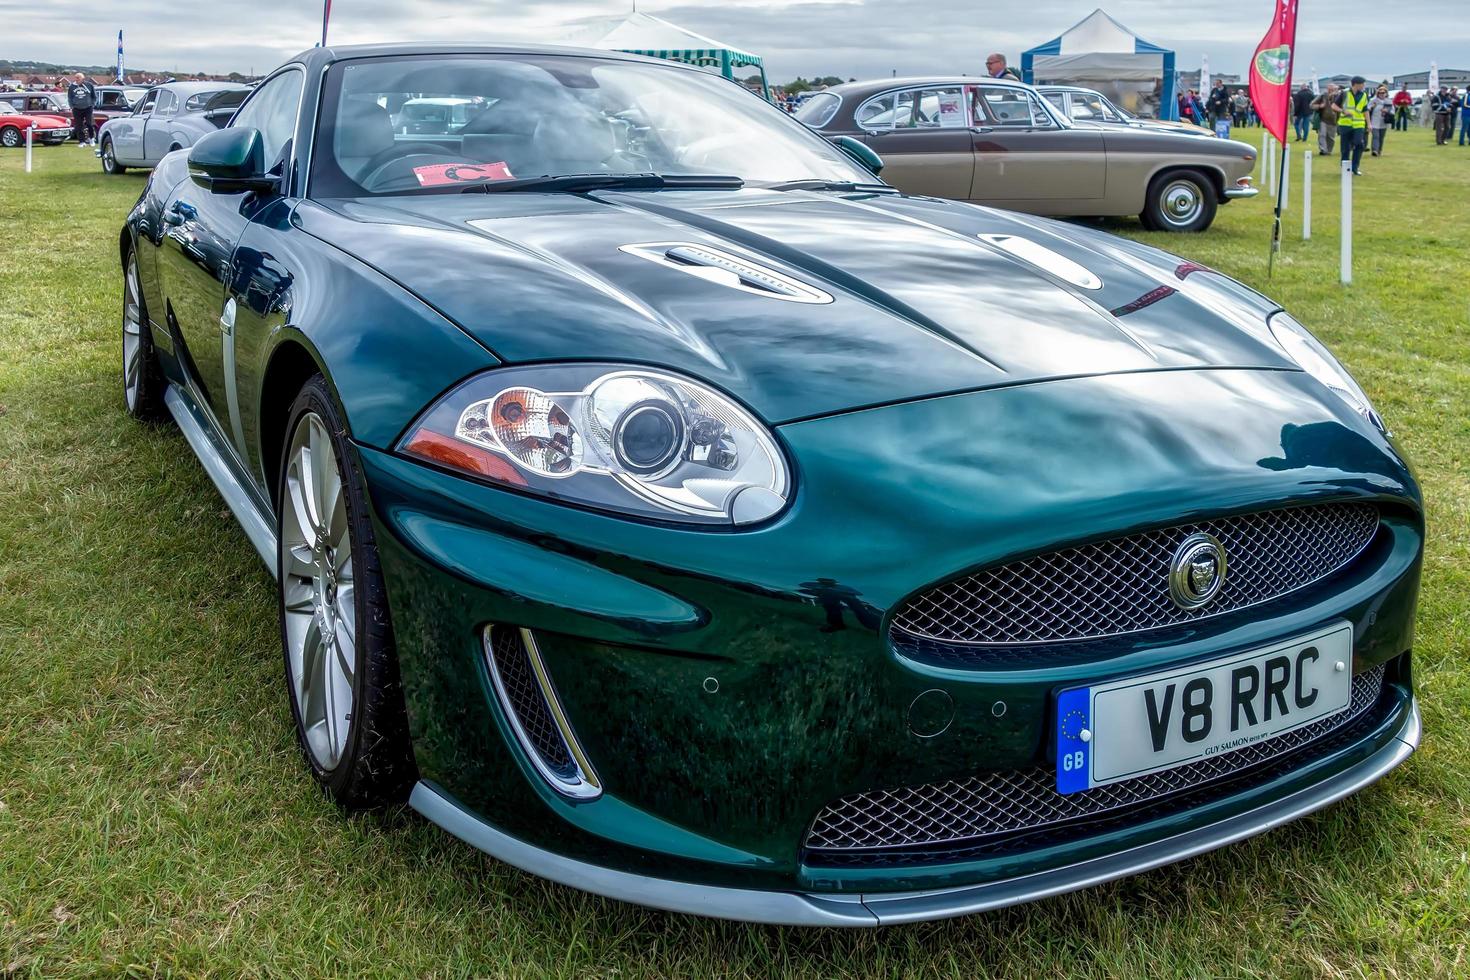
997 142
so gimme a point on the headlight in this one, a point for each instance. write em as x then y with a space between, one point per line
630 440
1318 361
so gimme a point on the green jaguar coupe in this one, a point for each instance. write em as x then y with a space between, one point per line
665 505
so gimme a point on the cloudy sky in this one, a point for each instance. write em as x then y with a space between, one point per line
862 38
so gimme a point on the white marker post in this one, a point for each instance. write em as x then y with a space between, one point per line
1285 176
1307 196
1266 143
1347 222
28 148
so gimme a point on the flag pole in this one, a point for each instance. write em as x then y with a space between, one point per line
326 16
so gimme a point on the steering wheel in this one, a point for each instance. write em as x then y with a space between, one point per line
387 155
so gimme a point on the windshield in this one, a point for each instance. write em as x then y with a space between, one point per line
401 125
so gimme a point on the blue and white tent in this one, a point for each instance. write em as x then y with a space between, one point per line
1100 53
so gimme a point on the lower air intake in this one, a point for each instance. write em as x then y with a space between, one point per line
524 689
963 811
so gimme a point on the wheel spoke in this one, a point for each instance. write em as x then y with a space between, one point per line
298 595
298 487
346 610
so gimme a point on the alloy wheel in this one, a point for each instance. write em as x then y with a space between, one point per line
318 592
10 137
109 163
132 336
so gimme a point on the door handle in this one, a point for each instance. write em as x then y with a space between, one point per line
982 130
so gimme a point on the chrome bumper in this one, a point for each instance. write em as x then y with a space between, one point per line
894 908
1234 193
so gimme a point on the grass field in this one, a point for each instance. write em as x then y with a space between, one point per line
155 817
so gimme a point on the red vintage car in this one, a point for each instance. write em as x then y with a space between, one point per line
45 129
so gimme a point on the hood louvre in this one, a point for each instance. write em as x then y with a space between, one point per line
724 269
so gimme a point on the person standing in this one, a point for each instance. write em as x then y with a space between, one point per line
1441 106
1219 105
1301 111
995 67
1403 104
1380 117
1352 126
1237 109
81 96
1456 102
1465 118
1328 111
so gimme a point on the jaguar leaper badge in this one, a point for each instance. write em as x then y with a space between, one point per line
1197 571
1272 64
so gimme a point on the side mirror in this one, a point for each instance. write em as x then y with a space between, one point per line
232 161
861 152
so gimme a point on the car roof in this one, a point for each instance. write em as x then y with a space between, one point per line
327 55
193 88
919 81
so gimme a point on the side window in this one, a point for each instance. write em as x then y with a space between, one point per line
168 104
1057 99
874 114
272 110
1095 106
905 110
146 106
944 108
1014 108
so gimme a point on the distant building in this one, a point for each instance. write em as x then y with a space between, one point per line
1190 79
1419 80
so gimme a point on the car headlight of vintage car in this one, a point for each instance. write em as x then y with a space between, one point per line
625 439
1318 361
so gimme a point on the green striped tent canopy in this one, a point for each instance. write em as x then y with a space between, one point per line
654 37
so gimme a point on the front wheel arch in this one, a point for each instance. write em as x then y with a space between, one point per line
292 364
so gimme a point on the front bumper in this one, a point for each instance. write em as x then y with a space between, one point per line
895 908
1240 191
727 686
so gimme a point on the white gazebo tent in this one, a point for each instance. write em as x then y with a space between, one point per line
645 34
1098 52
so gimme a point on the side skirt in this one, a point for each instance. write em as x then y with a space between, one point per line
254 520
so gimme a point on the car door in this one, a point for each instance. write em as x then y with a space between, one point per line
158 127
923 136
127 133
196 261
1023 152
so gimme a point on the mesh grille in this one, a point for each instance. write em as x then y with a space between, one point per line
1026 799
1122 585
524 697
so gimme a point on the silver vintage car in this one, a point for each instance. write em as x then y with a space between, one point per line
169 117
998 142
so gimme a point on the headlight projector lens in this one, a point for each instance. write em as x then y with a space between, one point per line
648 437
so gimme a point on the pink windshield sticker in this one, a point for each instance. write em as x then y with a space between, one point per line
460 173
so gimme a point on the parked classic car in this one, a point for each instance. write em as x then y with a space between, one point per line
110 103
45 129
1085 105
667 506
997 142
169 117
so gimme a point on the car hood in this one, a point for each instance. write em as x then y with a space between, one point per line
44 120
927 297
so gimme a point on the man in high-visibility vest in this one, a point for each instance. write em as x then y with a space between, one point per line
1352 128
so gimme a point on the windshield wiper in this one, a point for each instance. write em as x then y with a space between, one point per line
815 184
593 182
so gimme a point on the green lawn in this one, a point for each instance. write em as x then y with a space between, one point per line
155 817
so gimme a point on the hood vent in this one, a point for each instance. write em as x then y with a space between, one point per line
724 269
1044 259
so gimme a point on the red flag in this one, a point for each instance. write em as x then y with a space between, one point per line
1271 70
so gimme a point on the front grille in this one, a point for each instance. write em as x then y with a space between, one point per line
1122 585
959 812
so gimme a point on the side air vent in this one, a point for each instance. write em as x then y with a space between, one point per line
1034 253
724 269
524 690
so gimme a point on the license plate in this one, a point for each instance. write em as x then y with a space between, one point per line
1129 728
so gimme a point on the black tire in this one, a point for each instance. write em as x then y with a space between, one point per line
1180 201
143 391
376 766
109 161
11 137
